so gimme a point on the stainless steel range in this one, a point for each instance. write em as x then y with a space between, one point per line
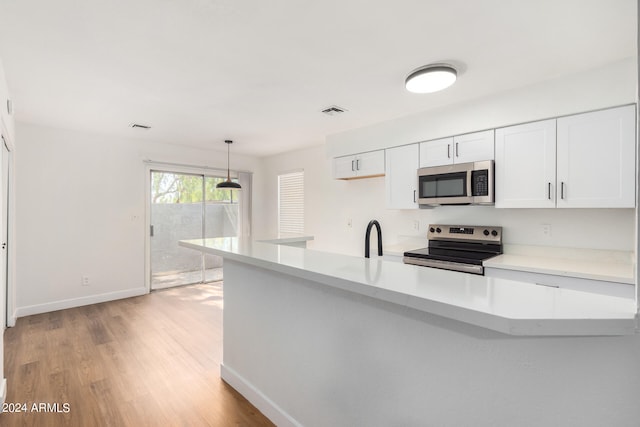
457 247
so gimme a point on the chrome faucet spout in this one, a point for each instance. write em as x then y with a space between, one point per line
367 238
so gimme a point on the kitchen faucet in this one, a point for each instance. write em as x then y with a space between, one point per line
367 238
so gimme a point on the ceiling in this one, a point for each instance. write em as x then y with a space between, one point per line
259 72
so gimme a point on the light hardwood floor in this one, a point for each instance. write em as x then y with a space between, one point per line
146 361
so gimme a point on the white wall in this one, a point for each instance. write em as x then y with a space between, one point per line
81 212
329 204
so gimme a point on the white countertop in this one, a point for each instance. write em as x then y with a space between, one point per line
610 266
284 238
508 306
607 271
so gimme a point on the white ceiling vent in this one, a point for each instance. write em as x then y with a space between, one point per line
334 110
139 126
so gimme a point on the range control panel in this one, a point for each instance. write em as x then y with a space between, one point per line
475 233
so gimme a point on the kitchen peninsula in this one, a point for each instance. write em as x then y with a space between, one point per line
315 338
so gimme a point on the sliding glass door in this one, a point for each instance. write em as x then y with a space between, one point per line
188 206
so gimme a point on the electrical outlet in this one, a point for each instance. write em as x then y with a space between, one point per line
416 225
85 281
545 229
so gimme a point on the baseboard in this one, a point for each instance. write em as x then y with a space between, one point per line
78 302
3 393
11 320
270 410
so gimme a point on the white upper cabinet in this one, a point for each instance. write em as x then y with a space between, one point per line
344 167
436 152
361 165
401 177
596 159
580 161
470 147
525 165
473 147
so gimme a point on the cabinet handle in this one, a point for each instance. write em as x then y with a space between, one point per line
448 151
358 164
353 167
414 196
549 190
562 190
456 149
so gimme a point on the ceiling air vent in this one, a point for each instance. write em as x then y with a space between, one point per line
333 110
138 126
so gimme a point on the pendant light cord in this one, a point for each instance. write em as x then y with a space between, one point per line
228 158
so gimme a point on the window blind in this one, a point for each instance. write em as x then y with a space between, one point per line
291 202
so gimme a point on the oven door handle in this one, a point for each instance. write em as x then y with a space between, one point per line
447 265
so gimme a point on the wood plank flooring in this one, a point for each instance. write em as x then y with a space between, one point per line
152 360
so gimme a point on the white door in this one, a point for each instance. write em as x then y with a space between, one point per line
4 181
401 177
473 147
526 165
596 159
436 153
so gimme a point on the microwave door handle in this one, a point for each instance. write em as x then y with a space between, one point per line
469 178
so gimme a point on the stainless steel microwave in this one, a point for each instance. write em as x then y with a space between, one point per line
458 184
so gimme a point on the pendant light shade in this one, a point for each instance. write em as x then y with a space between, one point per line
431 78
228 183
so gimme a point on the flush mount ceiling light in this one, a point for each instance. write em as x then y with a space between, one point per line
431 78
228 183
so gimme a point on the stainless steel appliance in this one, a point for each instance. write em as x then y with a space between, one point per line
459 248
459 184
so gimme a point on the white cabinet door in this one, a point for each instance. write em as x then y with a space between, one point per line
361 165
596 159
370 164
525 165
401 177
437 152
344 167
473 147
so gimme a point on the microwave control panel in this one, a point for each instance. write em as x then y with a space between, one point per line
480 182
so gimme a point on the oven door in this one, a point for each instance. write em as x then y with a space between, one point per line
445 185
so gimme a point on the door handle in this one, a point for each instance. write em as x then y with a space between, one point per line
414 196
448 151
549 191
352 165
151 231
357 164
456 149
562 190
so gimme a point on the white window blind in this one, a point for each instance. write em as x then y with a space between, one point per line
291 202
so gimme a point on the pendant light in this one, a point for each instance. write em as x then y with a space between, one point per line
228 183
431 78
